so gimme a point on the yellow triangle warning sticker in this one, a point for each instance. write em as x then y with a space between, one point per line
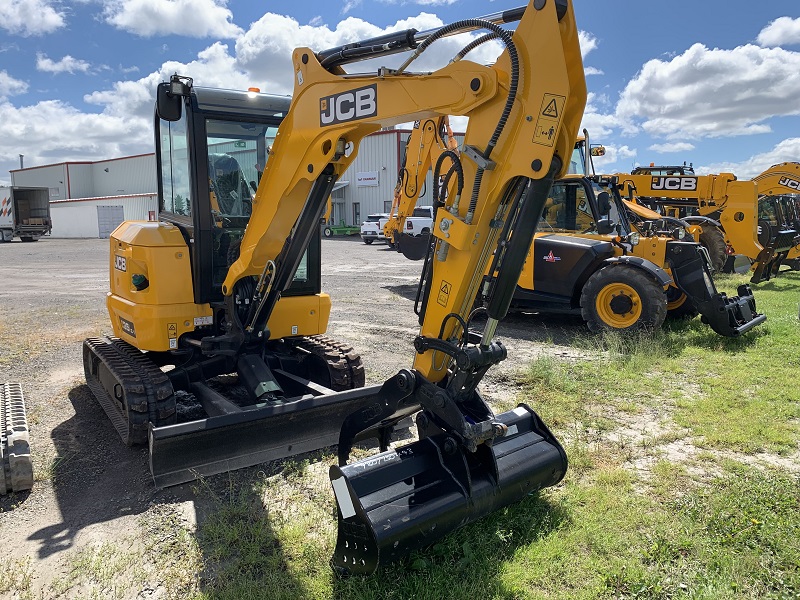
551 110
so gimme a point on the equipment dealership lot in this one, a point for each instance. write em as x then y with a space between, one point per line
93 496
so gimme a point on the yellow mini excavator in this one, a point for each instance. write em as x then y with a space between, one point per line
217 310
430 139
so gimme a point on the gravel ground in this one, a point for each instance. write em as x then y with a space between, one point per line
90 488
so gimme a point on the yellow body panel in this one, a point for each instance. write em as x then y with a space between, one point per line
154 318
736 200
543 121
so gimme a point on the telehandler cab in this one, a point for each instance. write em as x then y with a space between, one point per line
209 297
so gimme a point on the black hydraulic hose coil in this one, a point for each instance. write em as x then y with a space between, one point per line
505 37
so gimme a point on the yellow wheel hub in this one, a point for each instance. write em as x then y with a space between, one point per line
619 305
675 298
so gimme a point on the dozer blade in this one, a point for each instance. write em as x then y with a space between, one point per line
186 451
413 247
405 499
16 468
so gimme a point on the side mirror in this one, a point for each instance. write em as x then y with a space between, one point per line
168 106
597 151
604 203
605 227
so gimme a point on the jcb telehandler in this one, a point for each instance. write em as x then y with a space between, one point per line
219 301
588 258
725 208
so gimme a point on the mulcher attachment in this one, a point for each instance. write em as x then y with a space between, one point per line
16 469
405 499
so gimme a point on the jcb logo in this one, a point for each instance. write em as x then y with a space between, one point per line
686 184
349 106
790 183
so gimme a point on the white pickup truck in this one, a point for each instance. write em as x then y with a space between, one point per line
372 228
420 222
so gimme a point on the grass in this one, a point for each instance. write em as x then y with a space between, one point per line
677 488
631 519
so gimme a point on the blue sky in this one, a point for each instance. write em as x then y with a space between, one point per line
715 83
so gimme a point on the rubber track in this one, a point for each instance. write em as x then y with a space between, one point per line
147 390
16 468
345 367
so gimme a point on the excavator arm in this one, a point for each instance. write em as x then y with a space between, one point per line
429 140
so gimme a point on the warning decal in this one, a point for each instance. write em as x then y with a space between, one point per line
172 330
444 293
549 119
551 110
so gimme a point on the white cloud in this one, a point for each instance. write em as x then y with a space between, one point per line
672 147
265 50
587 41
214 67
785 151
68 64
29 130
783 31
591 71
190 18
712 93
10 86
30 17
616 158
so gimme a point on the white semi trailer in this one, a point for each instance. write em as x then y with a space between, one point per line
24 213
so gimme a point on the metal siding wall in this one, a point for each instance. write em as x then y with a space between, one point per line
131 175
79 219
53 176
80 181
376 153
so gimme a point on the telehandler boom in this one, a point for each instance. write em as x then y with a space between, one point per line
227 292
725 208
779 208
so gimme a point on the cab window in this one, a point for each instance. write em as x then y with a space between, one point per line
567 210
175 182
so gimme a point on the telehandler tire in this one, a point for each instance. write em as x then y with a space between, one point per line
678 305
714 241
622 298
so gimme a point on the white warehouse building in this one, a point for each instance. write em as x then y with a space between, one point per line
89 199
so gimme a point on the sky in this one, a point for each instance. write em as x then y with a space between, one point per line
713 83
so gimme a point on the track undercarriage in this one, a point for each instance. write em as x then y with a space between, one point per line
202 415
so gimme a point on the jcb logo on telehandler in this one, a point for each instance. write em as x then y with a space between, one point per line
790 183
348 106
686 184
